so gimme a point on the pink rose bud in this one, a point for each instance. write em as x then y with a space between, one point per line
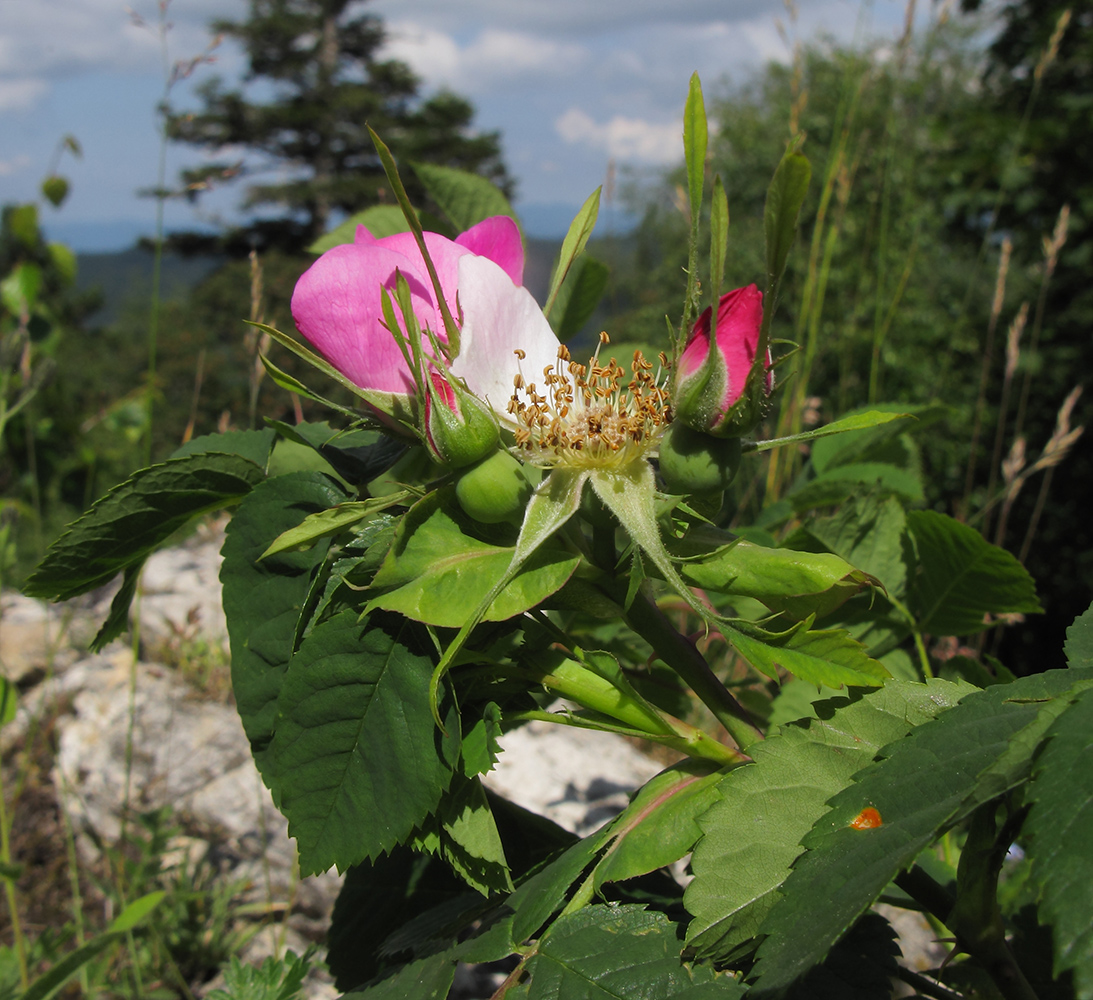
459 427
718 387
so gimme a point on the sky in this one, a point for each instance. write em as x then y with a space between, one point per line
572 85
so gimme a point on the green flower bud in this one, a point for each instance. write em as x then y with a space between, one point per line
494 489
459 427
692 462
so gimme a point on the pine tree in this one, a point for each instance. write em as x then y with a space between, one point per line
321 58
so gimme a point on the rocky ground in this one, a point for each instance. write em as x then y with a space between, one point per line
188 752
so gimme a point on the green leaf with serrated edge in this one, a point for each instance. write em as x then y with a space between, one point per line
719 236
255 445
576 239
868 534
960 577
871 418
796 583
357 454
553 503
752 835
861 966
379 220
1078 646
263 601
538 898
659 826
135 517
438 573
470 842
905 483
359 760
427 979
579 295
465 198
1059 829
327 523
377 898
828 656
923 784
480 748
117 620
695 136
608 952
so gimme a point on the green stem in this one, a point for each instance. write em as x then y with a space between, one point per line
9 889
648 621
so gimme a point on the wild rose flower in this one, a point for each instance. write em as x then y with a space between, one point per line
338 306
712 379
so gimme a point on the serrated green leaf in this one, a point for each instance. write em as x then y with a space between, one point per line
820 656
615 953
659 826
427 979
264 601
752 835
925 782
357 455
439 573
327 523
861 966
579 295
470 841
465 198
480 747
358 758
135 517
576 239
904 483
536 900
253 445
377 898
1060 830
1078 647
796 583
960 577
868 534
117 620
379 220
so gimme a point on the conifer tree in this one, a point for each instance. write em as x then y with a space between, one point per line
320 58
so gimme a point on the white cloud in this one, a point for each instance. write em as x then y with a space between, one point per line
56 38
490 59
625 139
18 95
13 166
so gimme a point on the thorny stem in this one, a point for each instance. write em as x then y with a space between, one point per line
648 621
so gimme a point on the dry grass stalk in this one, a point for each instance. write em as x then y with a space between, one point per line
985 367
257 342
1013 356
1054 452
1051 53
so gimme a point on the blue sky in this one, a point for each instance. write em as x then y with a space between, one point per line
570 84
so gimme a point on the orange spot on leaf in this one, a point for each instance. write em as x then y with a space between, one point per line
867 819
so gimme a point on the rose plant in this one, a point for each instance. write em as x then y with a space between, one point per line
510 530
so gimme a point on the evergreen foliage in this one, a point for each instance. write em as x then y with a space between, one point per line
322 60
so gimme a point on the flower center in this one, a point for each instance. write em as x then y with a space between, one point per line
590 416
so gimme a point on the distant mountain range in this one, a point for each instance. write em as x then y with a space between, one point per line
540 221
